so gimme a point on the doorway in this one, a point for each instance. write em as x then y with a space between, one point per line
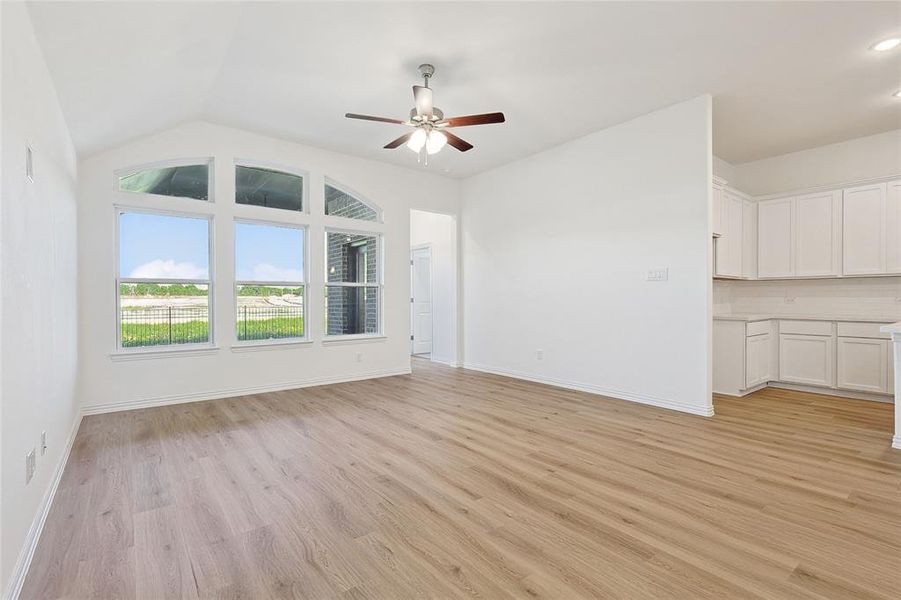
434 275
421 300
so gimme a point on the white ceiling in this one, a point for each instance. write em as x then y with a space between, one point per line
784 76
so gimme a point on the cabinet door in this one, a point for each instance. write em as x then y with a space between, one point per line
757 356
816 234
774 238
893 227
862 364
728 247
863 230
806 359
749 240
717 210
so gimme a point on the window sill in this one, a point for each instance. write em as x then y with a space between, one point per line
267 345
339 340
125 355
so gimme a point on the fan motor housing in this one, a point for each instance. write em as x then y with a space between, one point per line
437 114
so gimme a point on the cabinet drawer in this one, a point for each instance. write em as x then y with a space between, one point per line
758 328
806 327
862 330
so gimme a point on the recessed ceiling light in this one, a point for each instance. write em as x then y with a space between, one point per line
887 44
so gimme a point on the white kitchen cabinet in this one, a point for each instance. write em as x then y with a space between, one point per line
864 217
893 227
775 250
717 209
758 356
729 245
749 240
800 236
817 234
862 364
806 359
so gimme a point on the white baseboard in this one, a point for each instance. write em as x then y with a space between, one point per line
593 389
813 389
17 579
896 442
444 361
96 409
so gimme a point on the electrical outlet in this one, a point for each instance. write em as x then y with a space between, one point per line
539 354
43 442
29 466
789 300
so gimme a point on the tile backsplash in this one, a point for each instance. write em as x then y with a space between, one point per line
853 297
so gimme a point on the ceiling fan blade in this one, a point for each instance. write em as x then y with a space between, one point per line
371 118
486 119
423 97
398 142
461 145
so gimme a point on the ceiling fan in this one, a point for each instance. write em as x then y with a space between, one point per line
430 127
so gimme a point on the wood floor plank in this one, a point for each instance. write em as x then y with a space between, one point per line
456 484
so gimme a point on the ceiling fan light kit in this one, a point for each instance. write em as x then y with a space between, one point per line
430 133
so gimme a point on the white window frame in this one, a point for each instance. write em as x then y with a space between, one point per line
380 267
121 209
305 338
357 196
162 164
273 166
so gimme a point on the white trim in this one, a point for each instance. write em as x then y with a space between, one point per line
97 409
443 361
172 351
896 442
339 340
592 389
283 344
832 187
20 571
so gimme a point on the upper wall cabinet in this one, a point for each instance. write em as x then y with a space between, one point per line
800 236
728 260
872 227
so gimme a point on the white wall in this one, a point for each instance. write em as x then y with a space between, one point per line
440 232
853 160
723 169
38 282
105 382
556 247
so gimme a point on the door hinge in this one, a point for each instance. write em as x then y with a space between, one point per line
411 300
411 338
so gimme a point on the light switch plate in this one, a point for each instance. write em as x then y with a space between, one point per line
657 275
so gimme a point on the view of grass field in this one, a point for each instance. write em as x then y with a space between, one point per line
167 314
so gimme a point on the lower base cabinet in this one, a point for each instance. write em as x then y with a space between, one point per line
806 359
758 363
863 364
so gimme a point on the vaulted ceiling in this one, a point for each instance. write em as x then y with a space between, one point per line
784 76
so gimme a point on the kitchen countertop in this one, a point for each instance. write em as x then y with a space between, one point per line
750 317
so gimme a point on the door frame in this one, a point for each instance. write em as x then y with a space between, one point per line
413 248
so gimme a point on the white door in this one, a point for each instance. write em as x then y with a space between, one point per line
774 239
863 232
421 302
806 359
862 364
816 234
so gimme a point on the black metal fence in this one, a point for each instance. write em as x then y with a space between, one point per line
269 322
163 325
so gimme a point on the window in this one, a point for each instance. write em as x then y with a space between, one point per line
184 181
264 187
269 271
339 203
353 283
163 281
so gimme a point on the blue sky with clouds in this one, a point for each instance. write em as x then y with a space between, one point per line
169 247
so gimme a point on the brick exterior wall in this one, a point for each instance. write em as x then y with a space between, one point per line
339 204
352 258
